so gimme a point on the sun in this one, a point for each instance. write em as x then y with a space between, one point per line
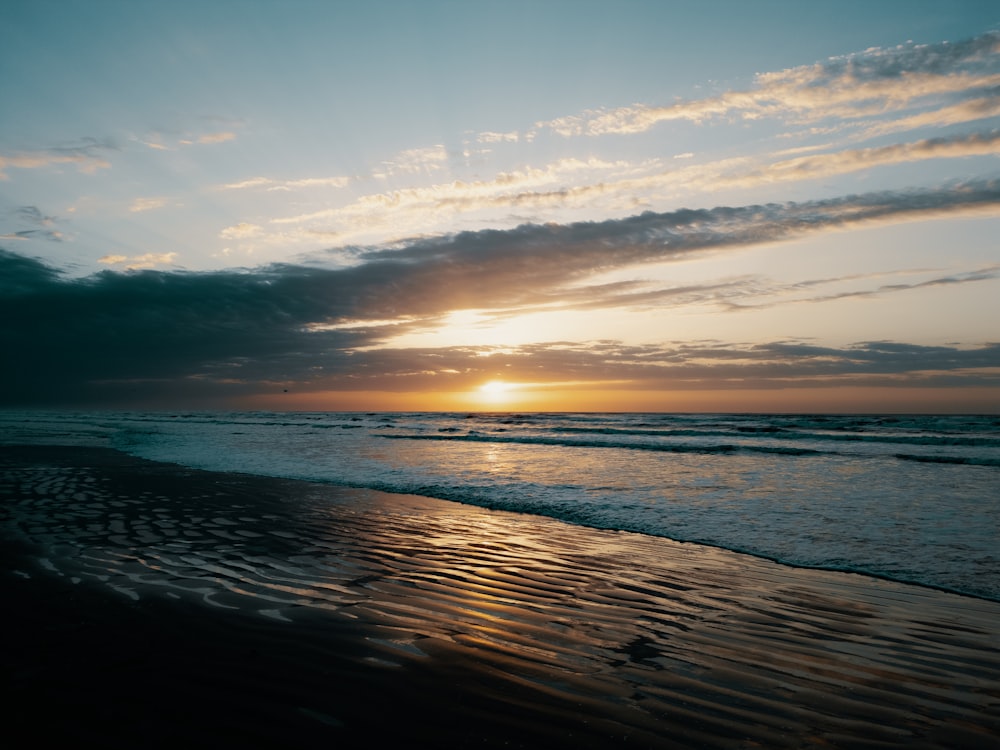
495 393
495 388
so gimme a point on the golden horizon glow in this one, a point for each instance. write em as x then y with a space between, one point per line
842 400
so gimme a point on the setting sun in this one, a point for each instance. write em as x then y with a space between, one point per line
495 392
495 388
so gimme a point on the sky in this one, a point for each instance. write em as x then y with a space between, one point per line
763 206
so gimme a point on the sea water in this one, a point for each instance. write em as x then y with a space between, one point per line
911 498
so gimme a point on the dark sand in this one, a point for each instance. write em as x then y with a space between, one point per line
149 605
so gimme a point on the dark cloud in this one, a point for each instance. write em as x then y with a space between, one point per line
147 335
22 277
63 337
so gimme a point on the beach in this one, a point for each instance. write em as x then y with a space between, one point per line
150 604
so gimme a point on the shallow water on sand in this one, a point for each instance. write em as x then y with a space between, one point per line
909 498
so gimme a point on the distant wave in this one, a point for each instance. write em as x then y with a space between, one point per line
962 460
721 448
646 446
779 433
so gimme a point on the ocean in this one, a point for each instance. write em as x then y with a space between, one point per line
914 499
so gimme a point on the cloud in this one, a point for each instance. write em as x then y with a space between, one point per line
492 137
276 185
762 365
844 100
241 231
757 294
738 294
136 262
611 186
746 172
30 234
418 206
650 236
147 204
171 140
116 337
87 155
968 111
873 82
150 335
216 137
854 160
252 182
415 160
23 276
43 226
34 215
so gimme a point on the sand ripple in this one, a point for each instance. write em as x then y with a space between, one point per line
692 646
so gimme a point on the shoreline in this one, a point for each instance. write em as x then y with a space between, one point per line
261 610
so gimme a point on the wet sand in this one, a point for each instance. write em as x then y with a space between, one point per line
149 605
